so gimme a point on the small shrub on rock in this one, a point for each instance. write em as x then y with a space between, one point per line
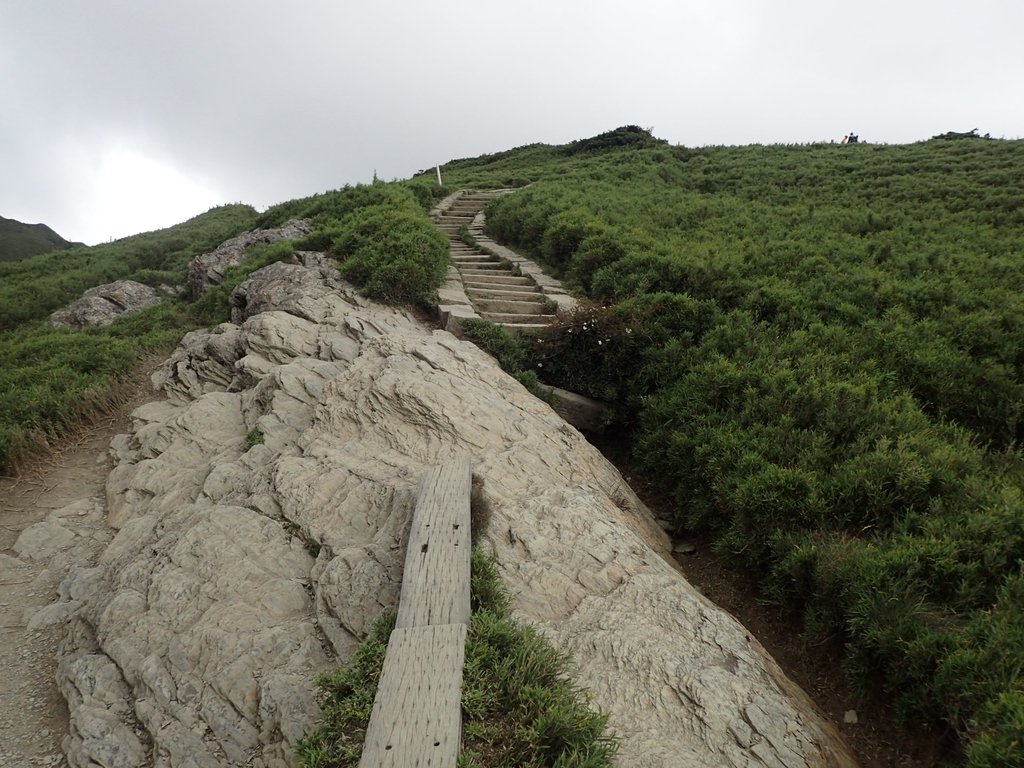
392 253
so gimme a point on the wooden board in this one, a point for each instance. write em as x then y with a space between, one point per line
417 714
435 582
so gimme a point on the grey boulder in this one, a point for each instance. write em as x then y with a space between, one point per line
104 304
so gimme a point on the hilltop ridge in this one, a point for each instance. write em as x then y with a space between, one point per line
18 240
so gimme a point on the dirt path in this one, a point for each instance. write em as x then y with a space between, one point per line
66 489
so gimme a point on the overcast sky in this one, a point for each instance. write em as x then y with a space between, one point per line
120 116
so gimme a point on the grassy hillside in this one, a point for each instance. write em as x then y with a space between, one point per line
19 240
52 380
818 352
34 287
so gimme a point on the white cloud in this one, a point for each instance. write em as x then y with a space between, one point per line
136 193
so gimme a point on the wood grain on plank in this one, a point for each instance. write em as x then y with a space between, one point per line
417 715
435 583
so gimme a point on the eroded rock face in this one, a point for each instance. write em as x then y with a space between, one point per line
208 269
103 304
303 427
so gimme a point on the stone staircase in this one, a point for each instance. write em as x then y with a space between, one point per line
488 281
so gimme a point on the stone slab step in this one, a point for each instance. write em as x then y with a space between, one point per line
493 276
482 279
479 264
528 293
516 317
505 305
525 329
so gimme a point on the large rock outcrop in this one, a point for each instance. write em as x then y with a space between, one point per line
208 269
103 304
261 511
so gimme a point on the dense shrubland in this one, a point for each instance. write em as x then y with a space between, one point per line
818 353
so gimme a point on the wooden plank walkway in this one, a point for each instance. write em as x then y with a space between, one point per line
435 582
417 713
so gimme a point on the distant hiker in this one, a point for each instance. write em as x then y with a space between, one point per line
846 140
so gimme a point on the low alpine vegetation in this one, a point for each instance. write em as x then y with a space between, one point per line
386 244
815 351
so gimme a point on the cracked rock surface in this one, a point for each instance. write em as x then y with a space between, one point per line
102 305
260 513
208 269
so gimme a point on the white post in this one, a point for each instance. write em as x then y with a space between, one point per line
439 176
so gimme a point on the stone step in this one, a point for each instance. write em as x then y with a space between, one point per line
526 293
485 281
516 317
510 307
524 329
482 264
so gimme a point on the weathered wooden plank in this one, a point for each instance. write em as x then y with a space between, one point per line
417 715
435 582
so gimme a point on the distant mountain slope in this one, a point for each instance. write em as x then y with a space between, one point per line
19 240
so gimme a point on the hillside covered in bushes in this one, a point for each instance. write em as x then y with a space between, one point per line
54 380
818 353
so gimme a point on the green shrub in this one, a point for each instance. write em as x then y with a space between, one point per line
564 233
392 254
511 351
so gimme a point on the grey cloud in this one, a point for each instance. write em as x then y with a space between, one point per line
266 101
